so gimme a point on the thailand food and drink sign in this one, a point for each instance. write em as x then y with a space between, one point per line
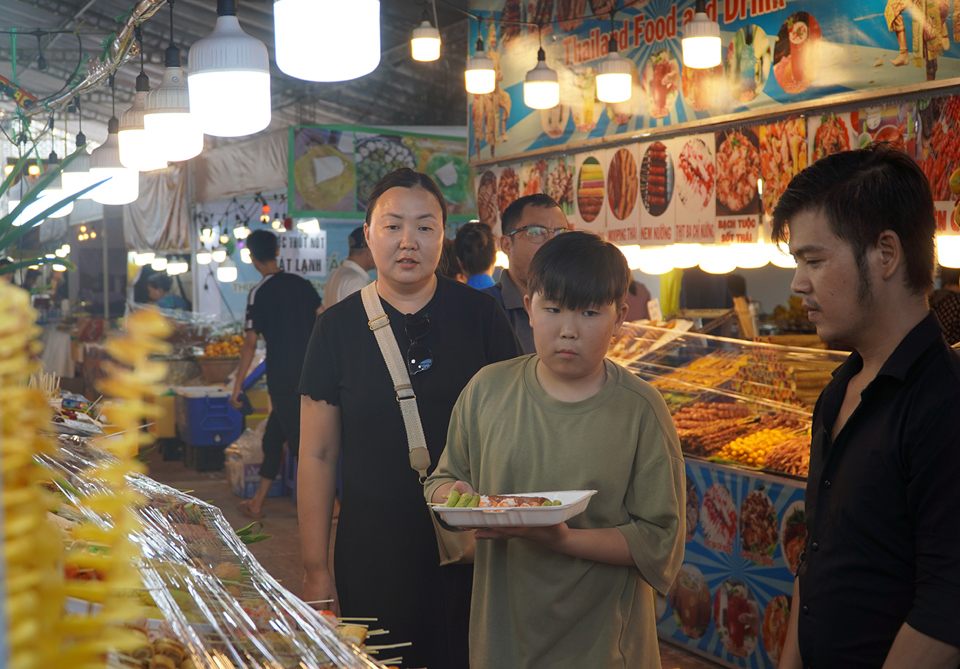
731 598
774 53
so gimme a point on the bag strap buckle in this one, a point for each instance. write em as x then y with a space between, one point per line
378 322
405 392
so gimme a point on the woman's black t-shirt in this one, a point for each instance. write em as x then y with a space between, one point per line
386 562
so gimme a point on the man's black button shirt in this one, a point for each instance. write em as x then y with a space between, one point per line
883 508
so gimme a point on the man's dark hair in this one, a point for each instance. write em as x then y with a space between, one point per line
405 178
262 245
578 270
862 193
512 214
449 265
160 281
949 276
356 241
476 248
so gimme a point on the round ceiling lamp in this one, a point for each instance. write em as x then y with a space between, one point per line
76 176
227 271
167 114
123 184
614 76
327 40
137 149
701 40
541 87
425 44
229 79
717 259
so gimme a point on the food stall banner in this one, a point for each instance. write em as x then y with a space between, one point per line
731 598
695 175
772 55
303 253
658 209
591 191
333 168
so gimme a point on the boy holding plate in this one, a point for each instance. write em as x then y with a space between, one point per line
578 594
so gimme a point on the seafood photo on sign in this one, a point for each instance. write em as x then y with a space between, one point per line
940 145
488 201
697 175
738 168
796 56
793 534
896 124
758 528
783 153
776 619
590 189
660 83
832 133
656 178
508 189
737 617
622 184
690 601
718 518
747 63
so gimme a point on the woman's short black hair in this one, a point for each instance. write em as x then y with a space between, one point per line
405 178
160 281
578 270
862 193
449 265
262 245
476 248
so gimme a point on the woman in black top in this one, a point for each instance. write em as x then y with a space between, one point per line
386 561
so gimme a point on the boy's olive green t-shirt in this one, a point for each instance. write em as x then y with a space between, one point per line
534 607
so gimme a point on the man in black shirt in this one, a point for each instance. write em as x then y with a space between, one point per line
282 308
879 580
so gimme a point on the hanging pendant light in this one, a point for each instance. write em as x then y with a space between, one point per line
480 75
327 40
54 190
219 254
245 255
167 115
142 259
614 77
227 271
204 256
229 79
425 45
159 263
701 40
123 184
137 149
76 176
541 88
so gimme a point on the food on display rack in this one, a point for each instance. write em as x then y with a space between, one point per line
791 456
590 189
752 449
508 189
709 371
227 346
637 339
488 201
783 153
622 184
698 175
738 167
656 178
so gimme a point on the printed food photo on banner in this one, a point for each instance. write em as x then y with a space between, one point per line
783 153
796 55
532 177
661 83
554 120
718 518
323 170
701 86
737 617
776 619
560 175
622 184
759 534
690 601
697 175
940 144
622 113
508 188
693 508
896 124
832 133
450 171
793 534
590 189
488 200
747 63
586 109
656 178
377 156
738 168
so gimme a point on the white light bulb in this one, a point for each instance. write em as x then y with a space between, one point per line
227 271
615 79
204 257
701 42
245 255
142 259
159 263
219 254
425 45
541 88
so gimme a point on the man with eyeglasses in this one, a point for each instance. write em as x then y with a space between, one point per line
525 225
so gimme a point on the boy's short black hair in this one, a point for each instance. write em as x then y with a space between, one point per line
160 281
512 214
476 248
578 270
262 245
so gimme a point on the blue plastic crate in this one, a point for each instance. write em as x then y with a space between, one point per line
205 417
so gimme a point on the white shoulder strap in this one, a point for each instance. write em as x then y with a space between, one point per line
379 322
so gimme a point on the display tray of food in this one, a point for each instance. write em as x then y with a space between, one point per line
537 509
202 601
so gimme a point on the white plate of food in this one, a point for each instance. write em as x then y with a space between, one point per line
546 508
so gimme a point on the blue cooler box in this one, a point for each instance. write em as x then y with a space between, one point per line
205 417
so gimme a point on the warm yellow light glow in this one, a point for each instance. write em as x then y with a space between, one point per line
227 271
717 259
751 255
502 260
656 259
948 250
686 255
780 256
159 263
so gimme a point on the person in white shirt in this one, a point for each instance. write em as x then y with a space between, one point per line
351 275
